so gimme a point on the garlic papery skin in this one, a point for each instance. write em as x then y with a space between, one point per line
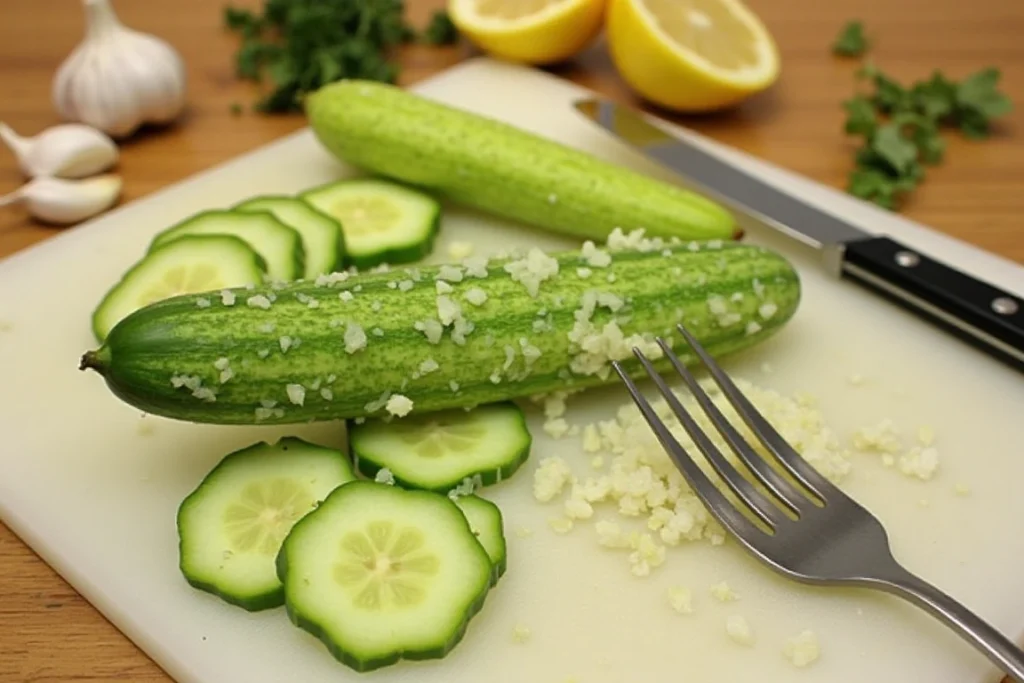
62 201
68 150
118 78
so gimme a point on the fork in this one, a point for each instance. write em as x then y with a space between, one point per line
818 536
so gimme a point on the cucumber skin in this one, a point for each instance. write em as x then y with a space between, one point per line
369 468
366 665
492 166
174 336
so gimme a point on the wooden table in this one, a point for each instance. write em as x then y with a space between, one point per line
49 633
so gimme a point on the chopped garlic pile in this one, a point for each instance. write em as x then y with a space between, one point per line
640 503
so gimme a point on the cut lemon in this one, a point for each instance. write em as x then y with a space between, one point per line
691 55
529 31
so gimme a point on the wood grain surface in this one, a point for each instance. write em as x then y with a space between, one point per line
47 632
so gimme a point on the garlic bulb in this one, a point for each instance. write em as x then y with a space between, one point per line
62 201
68 150
118 78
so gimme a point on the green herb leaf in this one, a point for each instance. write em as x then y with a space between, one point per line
296 46
860 116
889 95
978 101
901 125
897 150
440 30
934 98
851 41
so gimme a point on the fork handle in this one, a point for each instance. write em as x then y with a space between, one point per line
1003 652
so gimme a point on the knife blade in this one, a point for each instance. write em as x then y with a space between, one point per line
977 312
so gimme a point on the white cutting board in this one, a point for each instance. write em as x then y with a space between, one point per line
96 498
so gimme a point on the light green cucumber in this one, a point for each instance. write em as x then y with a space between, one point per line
383 221
485 520
441 337
279 245
437 451
507 171
380 574
231 526
323 242
188 265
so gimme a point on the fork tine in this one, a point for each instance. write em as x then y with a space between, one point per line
792 497
764 508
716 503
799 468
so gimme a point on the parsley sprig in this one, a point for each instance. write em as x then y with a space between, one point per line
295 46
900 126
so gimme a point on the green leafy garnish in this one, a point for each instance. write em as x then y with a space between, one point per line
440 30
851 41
900 126
292 47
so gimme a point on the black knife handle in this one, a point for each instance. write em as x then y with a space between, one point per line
983 315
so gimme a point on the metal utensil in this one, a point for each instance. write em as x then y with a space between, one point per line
981 314
818 535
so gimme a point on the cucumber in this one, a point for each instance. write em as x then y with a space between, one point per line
364 345
379 573
437 451
323 243
383 222
279 245
487 164
232 525
486 522
192 264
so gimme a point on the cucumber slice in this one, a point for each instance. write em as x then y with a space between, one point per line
379 574
232 525
323 242
190 265
279 245
383 222
437 451
486 522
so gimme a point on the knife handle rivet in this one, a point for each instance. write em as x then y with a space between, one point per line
1004 305
907 259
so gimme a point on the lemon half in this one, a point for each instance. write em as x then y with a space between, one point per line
691 55
529 31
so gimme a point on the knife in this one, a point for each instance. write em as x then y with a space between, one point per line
975 311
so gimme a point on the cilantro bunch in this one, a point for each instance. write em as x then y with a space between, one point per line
296 46
900 126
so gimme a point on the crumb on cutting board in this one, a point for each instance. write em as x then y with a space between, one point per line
722 592
802 649
681 599
738 629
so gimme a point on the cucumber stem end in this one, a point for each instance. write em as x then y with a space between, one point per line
94 360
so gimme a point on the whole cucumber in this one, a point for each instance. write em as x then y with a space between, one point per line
487 164
441 336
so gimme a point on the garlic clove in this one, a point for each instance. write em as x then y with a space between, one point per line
68 150
118 79
62 201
